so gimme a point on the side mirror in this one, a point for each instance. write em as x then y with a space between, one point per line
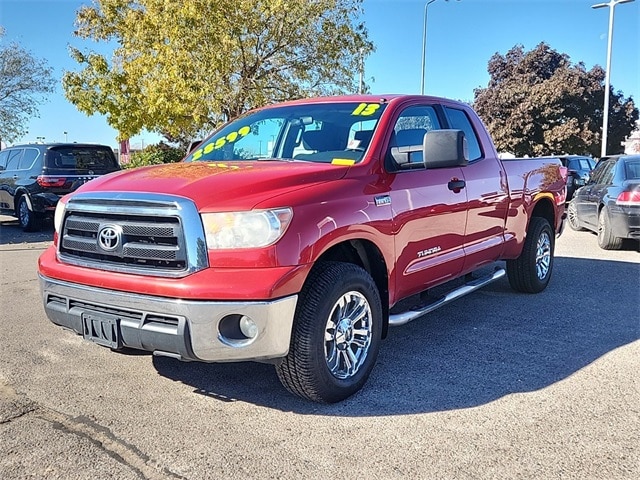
445 148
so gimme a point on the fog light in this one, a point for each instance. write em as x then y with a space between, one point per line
248 327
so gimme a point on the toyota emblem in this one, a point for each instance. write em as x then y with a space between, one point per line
109 237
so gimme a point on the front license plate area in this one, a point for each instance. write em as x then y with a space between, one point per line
103 329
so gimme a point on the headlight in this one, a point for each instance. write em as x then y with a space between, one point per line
258 228
58 216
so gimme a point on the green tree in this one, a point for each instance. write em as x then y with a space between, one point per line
539 103
183 67
24 83
155 155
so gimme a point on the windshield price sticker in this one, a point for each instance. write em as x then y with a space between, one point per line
221 142
366 109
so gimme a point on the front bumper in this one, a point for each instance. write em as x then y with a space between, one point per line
184 329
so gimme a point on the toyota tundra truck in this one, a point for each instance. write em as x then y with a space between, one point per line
298 233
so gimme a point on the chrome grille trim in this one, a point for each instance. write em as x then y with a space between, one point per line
162 235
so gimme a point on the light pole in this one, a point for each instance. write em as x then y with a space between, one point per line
65 137
424 43
607 82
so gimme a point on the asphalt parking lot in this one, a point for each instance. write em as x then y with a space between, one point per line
497 385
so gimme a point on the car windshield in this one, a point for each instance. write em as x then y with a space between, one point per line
318 132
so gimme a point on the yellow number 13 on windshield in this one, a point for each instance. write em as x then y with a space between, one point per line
365 109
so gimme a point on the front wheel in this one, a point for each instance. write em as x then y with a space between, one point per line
531 271
336 334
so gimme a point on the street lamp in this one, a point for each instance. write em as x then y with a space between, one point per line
424 42
65 137
605 117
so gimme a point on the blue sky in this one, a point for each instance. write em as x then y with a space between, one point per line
461 37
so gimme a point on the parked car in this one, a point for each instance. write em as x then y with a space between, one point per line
579 168
298 233
33 177
609 203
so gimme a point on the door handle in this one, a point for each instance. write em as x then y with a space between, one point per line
456 185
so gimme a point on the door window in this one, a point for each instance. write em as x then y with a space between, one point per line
410 129
603 172
4 156
459 120
14 159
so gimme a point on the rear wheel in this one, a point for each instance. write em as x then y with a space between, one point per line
336 334
606 239
29 221
572 217
531 271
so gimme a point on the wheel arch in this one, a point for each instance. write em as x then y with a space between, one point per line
544 208
21 192
367 255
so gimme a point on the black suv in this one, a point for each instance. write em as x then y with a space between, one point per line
578 168
33 177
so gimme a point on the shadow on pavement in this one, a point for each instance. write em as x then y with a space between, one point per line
492 343
11 232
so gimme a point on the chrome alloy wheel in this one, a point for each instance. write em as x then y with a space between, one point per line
347 336
543 255
572 217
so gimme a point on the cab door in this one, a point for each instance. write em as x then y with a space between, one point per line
429 213
487 195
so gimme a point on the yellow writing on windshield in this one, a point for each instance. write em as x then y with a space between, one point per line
221 142
366 109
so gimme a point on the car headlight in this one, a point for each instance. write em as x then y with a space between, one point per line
58 216
253 229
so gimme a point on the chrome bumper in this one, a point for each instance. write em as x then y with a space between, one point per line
184 329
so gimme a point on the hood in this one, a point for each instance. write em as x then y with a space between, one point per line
218 186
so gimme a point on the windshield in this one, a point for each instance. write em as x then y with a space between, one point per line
322 132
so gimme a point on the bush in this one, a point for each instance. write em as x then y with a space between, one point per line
155 155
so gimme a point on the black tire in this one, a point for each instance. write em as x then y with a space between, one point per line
606 239
29 221
572 218
531 271
306 370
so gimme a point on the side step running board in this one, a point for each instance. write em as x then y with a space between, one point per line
405 317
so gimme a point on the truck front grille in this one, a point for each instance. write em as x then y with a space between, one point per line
150 237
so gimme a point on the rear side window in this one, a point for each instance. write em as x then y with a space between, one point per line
29 156
81 158
459 120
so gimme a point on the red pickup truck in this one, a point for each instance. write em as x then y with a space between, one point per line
298 233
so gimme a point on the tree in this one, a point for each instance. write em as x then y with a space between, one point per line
155 155
181 67
539 103
24 83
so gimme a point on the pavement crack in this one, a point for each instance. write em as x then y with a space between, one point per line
14 405
121 451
